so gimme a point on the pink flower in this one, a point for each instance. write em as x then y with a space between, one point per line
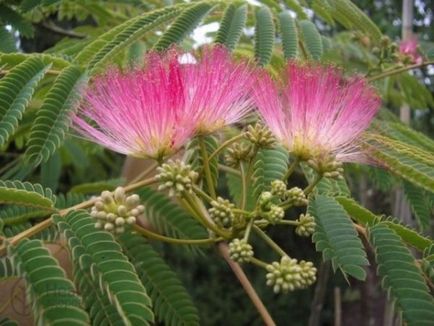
141 113
316 112
409 48
217 90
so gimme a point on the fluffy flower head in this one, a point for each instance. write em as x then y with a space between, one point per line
316 112
141 112
409 47
217 90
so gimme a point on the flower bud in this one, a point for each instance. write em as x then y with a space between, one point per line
296 197
278 188
221 212
240 251
238 153
260 136
306 225
275 214
177 177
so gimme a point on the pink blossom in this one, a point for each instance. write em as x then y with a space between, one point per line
218 90
409 48
141 113
317 112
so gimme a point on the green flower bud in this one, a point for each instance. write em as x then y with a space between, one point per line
238 153
240 251
260 136
308 273
177 177
221 212
296 196
307 225
265 200
327 166
278 188
275 214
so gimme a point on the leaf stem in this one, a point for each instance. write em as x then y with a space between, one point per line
155 236
312 185
202 194
228 169
206 168
393 71
225 144
258 262
243 187
288 222
269 241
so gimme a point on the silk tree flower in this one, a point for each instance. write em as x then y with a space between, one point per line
409 47
316 112
141 112
217 90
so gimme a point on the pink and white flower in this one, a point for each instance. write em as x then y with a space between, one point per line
409 47
315 112
141 113
217 90
153 111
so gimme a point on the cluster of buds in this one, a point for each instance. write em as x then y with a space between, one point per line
270 211
296 197
260 136
328 166
238 153
114 210
221 212
306 226
289 275
278 188
240 251
176 176
275 214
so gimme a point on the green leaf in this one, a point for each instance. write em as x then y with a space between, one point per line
172 303
16 90
54 117
336 237
12 215
195 159
264 35
97 187
234 184
53 296
169 219
365 217
295 6
401 278
409 162
101 258
7 268
26 194
7 41
311 39
231 26
183 25
130 34
327 186
288 30
51 171
18 22
270 165
419 203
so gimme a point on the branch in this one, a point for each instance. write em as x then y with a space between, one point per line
58 30
391 72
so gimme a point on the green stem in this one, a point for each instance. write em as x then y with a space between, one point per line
202 194
248 229
312 185
291 168
197 212
155 236
228 169
225 144
269 241
391 72
243 212
258 262
288 222
243 187
206 168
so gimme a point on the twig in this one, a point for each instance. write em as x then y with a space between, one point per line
58 30
239 273
338 307
224 145
319 296
391 72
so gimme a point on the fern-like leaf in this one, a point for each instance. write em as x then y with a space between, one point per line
16 90
231 26
401 278
172 304
419 204
311 39
18 22
288 30
336 237
26 194
7 268
264 35
54 297
108 266
54 117
132 33
183 25
169 219
7 41
271 164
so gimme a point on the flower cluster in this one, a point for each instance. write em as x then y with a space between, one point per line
289 275
176 176
114 210
221 212
306 225
409 49
240 250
